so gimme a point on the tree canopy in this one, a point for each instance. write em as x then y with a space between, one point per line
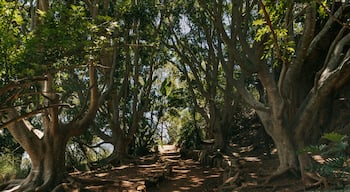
132 73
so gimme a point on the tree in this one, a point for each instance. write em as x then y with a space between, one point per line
285 59
137 56
60 42
64 61
11 47
300 42
200 59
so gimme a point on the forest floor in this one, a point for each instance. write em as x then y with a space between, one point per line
168 172
151 171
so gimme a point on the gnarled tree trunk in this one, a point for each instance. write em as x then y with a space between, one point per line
46 147
48 167
47 154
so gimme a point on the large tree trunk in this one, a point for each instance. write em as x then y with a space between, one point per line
220 121
221 134
286 151
46 153
120 152
46 148
283 142
120 142
219 140
122 147
48 167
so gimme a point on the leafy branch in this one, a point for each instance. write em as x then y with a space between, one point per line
269 23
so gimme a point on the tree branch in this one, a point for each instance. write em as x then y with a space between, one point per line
269 23
325 30
77 127
23 132
20 83
329 12
288 77
26 115
248 97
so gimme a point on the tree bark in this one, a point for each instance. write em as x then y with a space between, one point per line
48 170
46 148
283 142
120 152
122 147
47 154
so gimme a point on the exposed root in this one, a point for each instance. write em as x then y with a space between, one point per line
113 160
68 184
279 173
122 160
230 183
46 185
10 185
71 185
312 180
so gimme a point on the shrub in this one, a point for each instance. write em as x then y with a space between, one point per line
8 167
190 136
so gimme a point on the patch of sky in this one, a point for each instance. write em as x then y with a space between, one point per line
185 27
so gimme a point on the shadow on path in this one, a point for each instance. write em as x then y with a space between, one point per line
162 172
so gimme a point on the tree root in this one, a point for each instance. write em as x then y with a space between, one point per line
312 180
113 160
10 185
280 173
70 185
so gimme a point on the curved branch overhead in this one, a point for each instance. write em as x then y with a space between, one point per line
134 73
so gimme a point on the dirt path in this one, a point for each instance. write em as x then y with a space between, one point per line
187 175
164 172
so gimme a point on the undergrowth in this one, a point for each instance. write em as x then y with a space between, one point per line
331 160
10 167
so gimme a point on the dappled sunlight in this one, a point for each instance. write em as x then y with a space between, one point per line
253 175
274 151
148 165
101 174
183 171
121 167
252 159
246 149
213 176
246 184
184 188
185 175
196 180
319 159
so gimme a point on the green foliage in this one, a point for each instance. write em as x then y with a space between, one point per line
276 13
335 137
190 136
334 156
61 40
10 157
9 144
11 37
322 11
145 138
8 168
82 151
